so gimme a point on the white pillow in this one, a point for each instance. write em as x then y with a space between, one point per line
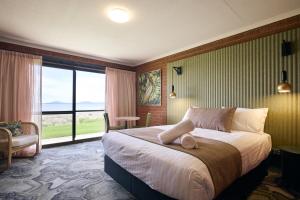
185 117
250 120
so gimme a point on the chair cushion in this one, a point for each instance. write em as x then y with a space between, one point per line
24 140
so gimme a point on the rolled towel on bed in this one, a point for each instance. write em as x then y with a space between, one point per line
188 141
168 136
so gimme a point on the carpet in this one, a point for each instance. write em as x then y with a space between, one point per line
76 172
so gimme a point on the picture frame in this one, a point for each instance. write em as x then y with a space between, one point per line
149 88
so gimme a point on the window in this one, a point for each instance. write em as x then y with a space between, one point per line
57 89
72 103
90 90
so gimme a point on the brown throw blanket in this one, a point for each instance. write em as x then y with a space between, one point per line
222 160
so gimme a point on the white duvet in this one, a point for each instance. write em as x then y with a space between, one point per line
177 174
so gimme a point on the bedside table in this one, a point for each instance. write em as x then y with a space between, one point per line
290 166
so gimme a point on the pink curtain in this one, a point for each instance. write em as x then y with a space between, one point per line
120 94
20 89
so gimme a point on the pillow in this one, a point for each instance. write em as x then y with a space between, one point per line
185 117
211 118
250 120
187 111
15 127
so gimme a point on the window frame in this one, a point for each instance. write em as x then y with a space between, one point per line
66 65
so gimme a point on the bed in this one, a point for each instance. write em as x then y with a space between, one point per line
171 174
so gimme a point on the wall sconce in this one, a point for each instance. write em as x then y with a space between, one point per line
178 72
284 86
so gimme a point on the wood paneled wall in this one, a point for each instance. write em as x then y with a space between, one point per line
243 75
160 113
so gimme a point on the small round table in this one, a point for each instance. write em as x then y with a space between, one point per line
127 119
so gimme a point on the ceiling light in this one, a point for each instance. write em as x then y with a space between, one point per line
118 15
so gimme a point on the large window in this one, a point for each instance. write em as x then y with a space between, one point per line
73 104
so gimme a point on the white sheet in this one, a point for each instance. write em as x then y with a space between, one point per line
177 174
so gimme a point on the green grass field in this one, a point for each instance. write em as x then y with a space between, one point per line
82 127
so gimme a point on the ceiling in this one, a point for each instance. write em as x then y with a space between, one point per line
156 28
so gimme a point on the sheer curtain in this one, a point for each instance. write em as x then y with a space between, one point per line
20 90
120 94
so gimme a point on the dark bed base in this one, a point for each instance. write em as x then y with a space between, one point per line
238 190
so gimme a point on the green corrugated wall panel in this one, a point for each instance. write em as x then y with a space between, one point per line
243 75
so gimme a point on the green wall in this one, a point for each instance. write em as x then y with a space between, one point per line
243 75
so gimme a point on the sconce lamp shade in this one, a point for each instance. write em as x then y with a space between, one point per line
284 86
173 94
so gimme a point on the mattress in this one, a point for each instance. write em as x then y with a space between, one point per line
177 174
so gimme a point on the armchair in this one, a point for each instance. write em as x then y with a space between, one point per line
10 144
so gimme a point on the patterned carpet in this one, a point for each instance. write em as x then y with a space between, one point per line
76 172
269 189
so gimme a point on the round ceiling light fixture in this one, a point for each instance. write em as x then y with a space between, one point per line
118 15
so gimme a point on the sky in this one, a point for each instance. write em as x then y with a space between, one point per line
57 86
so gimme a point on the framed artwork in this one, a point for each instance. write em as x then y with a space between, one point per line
149 84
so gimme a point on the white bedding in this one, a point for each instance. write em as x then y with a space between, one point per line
177 174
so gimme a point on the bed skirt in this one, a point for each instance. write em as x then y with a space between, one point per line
238 190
